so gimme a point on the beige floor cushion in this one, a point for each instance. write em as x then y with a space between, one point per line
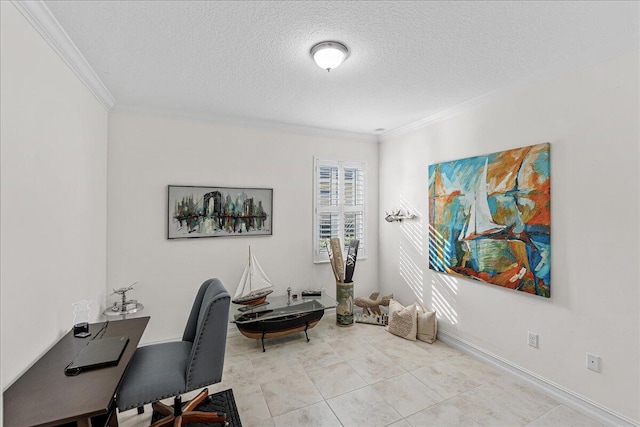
402 320
427 323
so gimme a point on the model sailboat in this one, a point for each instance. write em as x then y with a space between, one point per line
254 284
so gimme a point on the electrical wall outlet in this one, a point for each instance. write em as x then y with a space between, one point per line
593 362
533 340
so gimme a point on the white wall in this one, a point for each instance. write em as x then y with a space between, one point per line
148 153
591 119
53 195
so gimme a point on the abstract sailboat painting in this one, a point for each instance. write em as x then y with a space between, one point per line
490 218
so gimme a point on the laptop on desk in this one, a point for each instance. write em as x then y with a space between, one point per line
98 353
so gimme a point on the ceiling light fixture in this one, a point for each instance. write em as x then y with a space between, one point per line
328 55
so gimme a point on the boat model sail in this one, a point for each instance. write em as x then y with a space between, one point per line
254 284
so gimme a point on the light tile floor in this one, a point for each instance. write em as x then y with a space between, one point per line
364 376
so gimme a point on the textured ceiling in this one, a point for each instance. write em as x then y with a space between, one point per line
249 60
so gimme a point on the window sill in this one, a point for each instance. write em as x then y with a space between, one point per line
326 261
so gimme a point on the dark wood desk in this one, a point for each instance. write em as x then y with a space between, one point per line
45 396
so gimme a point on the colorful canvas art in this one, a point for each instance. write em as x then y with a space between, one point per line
490 218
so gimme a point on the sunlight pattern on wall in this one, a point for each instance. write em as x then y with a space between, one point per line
411 251
444 291
412 229
410 271
440 249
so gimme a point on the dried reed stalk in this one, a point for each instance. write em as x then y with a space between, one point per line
332 260
337 255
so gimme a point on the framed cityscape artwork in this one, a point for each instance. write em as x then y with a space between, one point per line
219 211
490 218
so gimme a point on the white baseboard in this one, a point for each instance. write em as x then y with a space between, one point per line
561 394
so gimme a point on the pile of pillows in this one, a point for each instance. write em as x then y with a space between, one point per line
412 322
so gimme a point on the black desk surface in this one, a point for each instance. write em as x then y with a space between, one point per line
45 396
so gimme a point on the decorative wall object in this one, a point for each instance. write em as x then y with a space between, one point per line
219 211
398 215
490 218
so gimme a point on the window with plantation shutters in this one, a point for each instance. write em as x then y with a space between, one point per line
339 200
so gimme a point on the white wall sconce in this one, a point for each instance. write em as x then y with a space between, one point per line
329 55
398 215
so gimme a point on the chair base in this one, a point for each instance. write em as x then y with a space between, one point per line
181 414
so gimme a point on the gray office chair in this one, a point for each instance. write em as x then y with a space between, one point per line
165 370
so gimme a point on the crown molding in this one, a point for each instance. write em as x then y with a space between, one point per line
586 59
248 123
41 18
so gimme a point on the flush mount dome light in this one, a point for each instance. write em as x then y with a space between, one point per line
328 55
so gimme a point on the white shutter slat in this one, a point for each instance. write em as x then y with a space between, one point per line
328 227
353 186
328 186
353 228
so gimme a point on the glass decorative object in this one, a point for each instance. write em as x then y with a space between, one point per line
81 316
